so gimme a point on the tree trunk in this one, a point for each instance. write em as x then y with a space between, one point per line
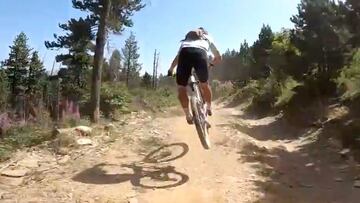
98 61
128 70
154 71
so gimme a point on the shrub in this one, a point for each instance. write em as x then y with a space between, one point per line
221 90
275 91
114 97
286 91
20 137
263 93
348 81
154 100
26 136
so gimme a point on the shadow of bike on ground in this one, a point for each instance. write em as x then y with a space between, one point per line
167 153
146 173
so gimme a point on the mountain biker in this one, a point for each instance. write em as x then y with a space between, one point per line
194 52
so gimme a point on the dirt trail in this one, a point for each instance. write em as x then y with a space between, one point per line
216 175
161 160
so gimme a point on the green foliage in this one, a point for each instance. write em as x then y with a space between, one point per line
36 75
108 15
284 55
114 97
167 82
17 63
113 72
286 91
235 65
5 152
146 81
155 100
265 92
221 90
24 72
77 38
245 54
78 42
131 58
268 93
26 136
248 62
260 51
4 90
120 12
352 10
322 46
263 44
302 63
349 79
20 137
69 87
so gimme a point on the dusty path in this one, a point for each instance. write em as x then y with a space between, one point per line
161 160
215 175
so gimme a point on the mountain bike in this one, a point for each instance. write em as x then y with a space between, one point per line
198 109
199 112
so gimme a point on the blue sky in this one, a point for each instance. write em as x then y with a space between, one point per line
160 25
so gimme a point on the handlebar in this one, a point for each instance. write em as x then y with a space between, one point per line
170 74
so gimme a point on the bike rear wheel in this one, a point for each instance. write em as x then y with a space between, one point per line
201 125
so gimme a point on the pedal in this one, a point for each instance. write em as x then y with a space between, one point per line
209 112
208 124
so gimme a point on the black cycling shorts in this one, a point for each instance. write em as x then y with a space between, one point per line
190 57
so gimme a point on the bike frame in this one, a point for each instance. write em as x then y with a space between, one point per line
199 111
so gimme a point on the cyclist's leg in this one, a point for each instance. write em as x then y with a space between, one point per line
183 73
206 90
201 67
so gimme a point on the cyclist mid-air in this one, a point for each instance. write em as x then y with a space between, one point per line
194 53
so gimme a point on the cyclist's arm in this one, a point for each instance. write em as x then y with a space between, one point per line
215 51
174 63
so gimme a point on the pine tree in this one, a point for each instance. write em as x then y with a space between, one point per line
131 56
321 37
17 65
245 53
146 80
263 44
36 75
110 15
115 66
78 42
352 8
260 51
4 90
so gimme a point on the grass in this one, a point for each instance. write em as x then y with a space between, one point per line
116 98
22 137
222 90
72 122
154 100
